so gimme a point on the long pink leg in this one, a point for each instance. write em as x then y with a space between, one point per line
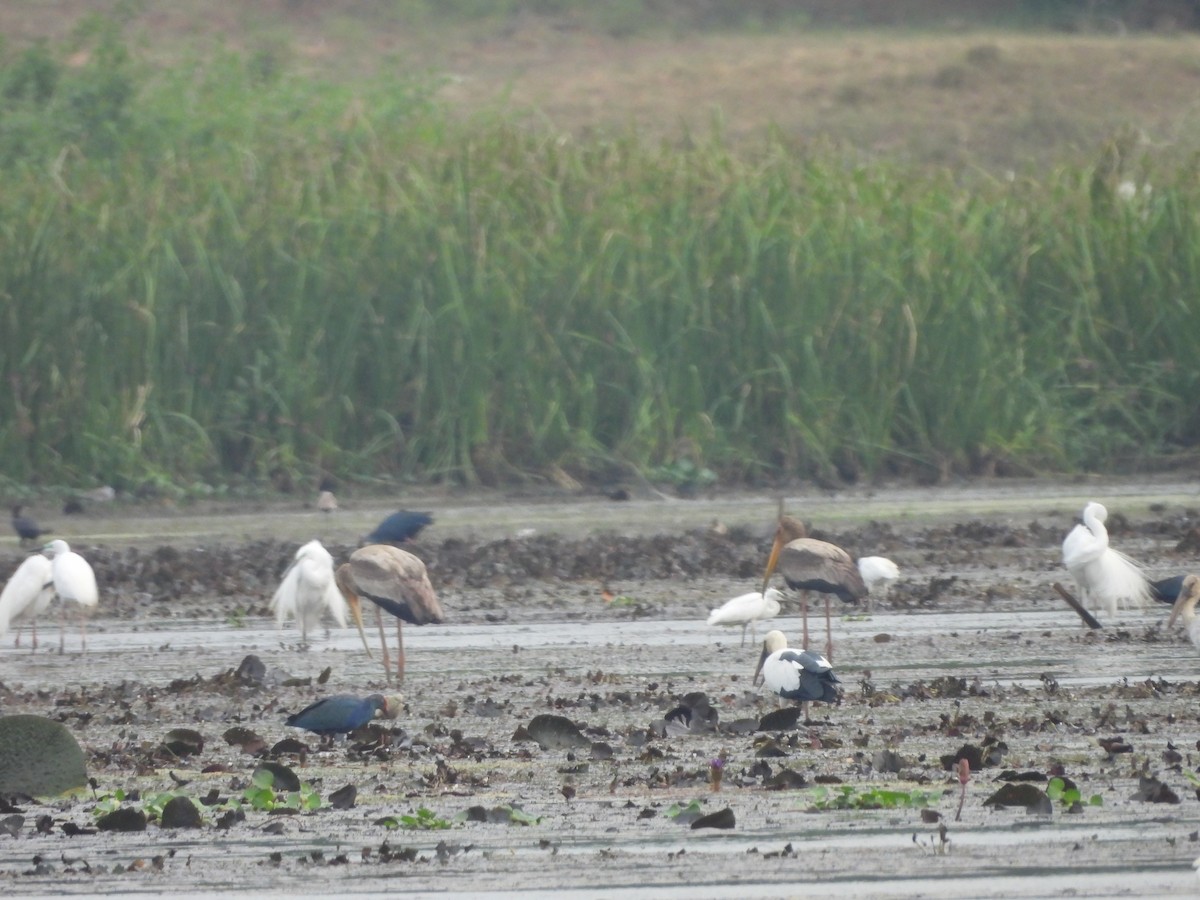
399 652
828 632
387 662
804 617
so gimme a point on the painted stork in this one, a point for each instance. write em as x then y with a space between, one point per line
1185 608
747 610
74 581
811 565
796 675
394 580
27 595
1106 578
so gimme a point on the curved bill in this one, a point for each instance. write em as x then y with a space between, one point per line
772 560
761 659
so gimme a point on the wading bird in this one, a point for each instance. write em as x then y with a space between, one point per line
342 713
327 502
747 610
1105 578
399 527
396 581
74 581
811 565
27 530
1185 608
27 595
878 574
796 675
308 591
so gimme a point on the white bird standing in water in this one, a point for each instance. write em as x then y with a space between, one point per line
74 581
797 675
1106 578
1185 608
27 595
308 591
747 610
879 574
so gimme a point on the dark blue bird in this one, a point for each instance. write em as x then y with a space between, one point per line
399 527
25 527
342 713
1166 590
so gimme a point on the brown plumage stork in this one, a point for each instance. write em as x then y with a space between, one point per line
811 565
394 580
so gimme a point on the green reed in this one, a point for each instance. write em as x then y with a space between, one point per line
244 275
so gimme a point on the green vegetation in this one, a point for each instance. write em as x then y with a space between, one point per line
1059 793
847 796
221 273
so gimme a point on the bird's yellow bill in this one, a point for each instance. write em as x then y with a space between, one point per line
356 611
771 562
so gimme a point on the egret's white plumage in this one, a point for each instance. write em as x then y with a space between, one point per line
1185 608
798 675
1106 578
27 594
74 582
879 574
308 591
747 610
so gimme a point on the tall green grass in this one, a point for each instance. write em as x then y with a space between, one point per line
223 273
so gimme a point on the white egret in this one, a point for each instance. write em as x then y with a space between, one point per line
394 580
811 565
797 675
74 582
308 591
879 574
27 595
1106 578
747 610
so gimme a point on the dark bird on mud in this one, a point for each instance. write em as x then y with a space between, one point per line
394 580
1185 608
1166 590
399 527
342 713
811 565
1106 579
796 675
26 528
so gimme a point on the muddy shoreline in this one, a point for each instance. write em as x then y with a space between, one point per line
972 649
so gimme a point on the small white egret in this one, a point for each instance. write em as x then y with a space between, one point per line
308 591
1106 578
1185 608
27 595
797 675
747 610
394 580
811 565
74 582
879 574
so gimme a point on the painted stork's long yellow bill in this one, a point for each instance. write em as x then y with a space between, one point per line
356 610
772 560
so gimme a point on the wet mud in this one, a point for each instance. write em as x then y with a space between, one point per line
592 612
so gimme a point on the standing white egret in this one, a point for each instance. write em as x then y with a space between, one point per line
747 610
75 582
811 565
796 675
26 595
1106 578
879 574
1185 608
308 591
